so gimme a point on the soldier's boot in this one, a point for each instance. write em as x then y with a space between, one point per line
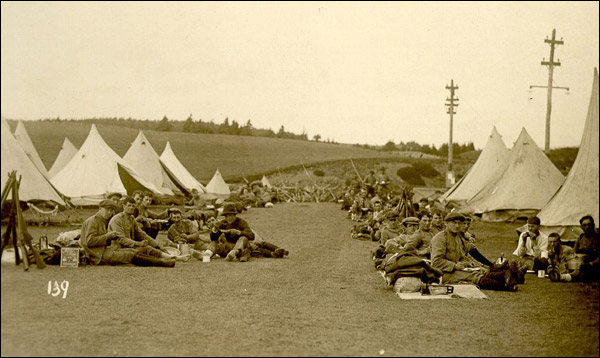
232 255
147 260
488 283
245 255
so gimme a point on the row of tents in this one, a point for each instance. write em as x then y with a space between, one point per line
504 184
86 174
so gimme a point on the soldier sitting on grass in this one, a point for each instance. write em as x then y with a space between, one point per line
449 253
588 247
130 235
149 221
411 224
532 247
232 235
183 231
564 264
421 238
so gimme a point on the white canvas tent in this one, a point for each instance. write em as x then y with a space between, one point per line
22 137
217 185
67 152
144 159
169 159
578 196
96 170
493 156
520 189
34 186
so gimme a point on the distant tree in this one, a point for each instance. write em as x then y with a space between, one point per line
389 146
281 132
247 129
164 125
317 137
425 169
224 127
410 175
188 126
234 128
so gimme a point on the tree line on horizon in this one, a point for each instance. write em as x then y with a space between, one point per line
413 146
234 128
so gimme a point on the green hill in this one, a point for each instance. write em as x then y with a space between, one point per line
202 154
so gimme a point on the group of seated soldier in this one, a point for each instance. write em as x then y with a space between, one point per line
537 251
124 231
454 252
254 195
449 251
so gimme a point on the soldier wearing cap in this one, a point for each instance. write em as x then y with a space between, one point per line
94 236
421 239
411 224
449 253
390 228
232 235
116 197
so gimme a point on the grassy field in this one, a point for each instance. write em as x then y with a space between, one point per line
325 299
202 154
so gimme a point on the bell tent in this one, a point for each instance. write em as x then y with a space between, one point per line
522 187
492 157
23 138
34 186
97 170
67 152
144 159
169 159
217 185
578 196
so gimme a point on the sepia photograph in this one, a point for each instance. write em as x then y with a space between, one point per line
300 178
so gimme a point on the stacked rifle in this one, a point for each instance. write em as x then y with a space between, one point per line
16 231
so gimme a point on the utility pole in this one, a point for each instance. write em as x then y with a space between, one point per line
451 103
551 64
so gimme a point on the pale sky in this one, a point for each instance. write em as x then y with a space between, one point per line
354 72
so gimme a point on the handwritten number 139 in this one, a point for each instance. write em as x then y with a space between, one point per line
55 289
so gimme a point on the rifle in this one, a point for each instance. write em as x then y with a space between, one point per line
22 235
356 170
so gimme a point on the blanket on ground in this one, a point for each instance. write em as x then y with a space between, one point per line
460 291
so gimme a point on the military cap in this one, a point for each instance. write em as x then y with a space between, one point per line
174 210
107 203
534 220
109 195
229 209
454 217
410 220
